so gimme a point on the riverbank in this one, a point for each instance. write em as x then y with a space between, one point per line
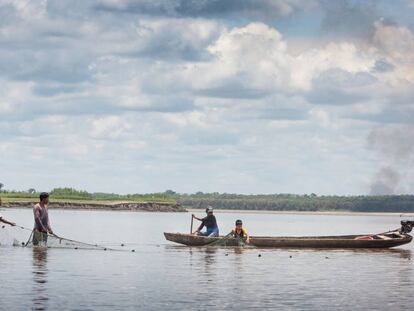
333 213
104 205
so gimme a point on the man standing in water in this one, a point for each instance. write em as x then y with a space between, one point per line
41 217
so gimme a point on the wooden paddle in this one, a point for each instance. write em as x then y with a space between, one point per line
192 220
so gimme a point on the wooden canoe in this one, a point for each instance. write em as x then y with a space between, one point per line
384 240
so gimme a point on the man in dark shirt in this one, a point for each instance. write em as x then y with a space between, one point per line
209 222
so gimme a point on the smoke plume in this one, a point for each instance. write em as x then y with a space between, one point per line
396 148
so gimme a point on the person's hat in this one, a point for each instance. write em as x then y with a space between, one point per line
209 210
238 222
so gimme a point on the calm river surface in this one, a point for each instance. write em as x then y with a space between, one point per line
164 276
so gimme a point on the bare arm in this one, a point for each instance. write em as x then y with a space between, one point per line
200 227
195 217
49 228
7 222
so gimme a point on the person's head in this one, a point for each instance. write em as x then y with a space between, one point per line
239 224
44 198
209 210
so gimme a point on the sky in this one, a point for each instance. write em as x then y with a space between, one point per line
247 96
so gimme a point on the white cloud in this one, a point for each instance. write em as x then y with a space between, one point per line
12 95
174 100
321 116
27 9
396 44
256 57
395 41
109 127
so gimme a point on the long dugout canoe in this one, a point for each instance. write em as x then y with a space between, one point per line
384 240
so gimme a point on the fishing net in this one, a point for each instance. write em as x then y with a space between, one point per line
12 236
24 237
228 240
39 239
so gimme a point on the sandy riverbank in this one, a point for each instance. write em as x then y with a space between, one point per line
174 207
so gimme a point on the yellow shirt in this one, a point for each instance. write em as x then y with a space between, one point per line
242 233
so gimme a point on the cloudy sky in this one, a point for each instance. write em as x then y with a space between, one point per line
247 96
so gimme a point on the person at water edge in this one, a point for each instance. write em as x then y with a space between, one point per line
209 222
41 217
4 220
240 232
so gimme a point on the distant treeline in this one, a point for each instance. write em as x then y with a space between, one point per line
271 202
72 194
293 202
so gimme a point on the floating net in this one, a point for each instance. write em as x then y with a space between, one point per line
228 240
12 236
17 236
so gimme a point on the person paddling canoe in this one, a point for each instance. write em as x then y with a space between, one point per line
41 218
209 222
4 220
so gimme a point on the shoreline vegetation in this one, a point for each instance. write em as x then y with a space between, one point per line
326 213
104 206
170 201
68 198
300 203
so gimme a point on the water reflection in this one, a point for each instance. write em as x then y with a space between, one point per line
40 273
174 277
210 256
204 259
239 250
402 253
405 253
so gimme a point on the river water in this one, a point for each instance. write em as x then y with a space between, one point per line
162 276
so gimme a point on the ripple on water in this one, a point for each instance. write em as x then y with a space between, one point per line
163 276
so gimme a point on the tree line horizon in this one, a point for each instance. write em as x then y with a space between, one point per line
233 201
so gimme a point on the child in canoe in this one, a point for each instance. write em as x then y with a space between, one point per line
240 232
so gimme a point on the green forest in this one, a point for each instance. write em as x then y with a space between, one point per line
294 202
270 202
74 195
